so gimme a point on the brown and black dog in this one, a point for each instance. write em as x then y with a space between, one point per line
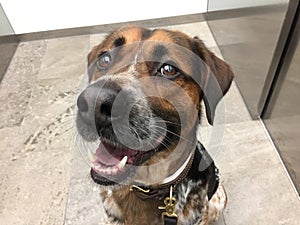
142 106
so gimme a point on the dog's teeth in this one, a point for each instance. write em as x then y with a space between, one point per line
107 171
122 163
99 169
114 170
111 170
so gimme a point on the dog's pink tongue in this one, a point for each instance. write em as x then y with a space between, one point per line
104 156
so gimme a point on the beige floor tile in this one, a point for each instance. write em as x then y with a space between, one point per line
65 57
18 82
200 29
34 175
36 156
96 39
84 203
52 97
235 108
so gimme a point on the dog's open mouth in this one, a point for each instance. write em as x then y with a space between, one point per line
114 163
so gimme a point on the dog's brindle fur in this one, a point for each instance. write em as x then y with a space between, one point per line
121 205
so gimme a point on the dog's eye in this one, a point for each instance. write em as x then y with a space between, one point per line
104 60
168 70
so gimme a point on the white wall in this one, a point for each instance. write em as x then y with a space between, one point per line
28 16
41 15
214 5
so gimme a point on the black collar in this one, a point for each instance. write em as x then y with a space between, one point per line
200 167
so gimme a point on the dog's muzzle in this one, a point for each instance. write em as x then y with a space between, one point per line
123 122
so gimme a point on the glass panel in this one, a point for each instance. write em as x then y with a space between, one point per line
284 120
248 38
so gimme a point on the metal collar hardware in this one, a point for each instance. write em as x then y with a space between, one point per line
169 216
135 187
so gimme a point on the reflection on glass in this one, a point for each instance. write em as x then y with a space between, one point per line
247 39
284 120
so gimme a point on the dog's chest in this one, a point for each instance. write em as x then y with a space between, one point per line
123 204
125 208
191 202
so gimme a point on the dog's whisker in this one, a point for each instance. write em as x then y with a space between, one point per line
156 135
168 122
180 136
138 137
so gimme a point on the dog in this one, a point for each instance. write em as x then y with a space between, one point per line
142 108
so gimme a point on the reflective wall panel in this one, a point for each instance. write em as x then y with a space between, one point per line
248 38
282 115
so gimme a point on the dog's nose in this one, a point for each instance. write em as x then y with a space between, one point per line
95 105
103 108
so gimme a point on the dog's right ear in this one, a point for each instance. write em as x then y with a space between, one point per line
218 77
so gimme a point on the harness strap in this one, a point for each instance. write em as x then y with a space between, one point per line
170 220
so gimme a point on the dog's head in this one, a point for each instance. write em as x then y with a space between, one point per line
142 102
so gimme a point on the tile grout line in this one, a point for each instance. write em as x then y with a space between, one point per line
280 159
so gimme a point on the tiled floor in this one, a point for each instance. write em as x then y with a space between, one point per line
44 180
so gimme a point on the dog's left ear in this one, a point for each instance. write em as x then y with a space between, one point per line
218 77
